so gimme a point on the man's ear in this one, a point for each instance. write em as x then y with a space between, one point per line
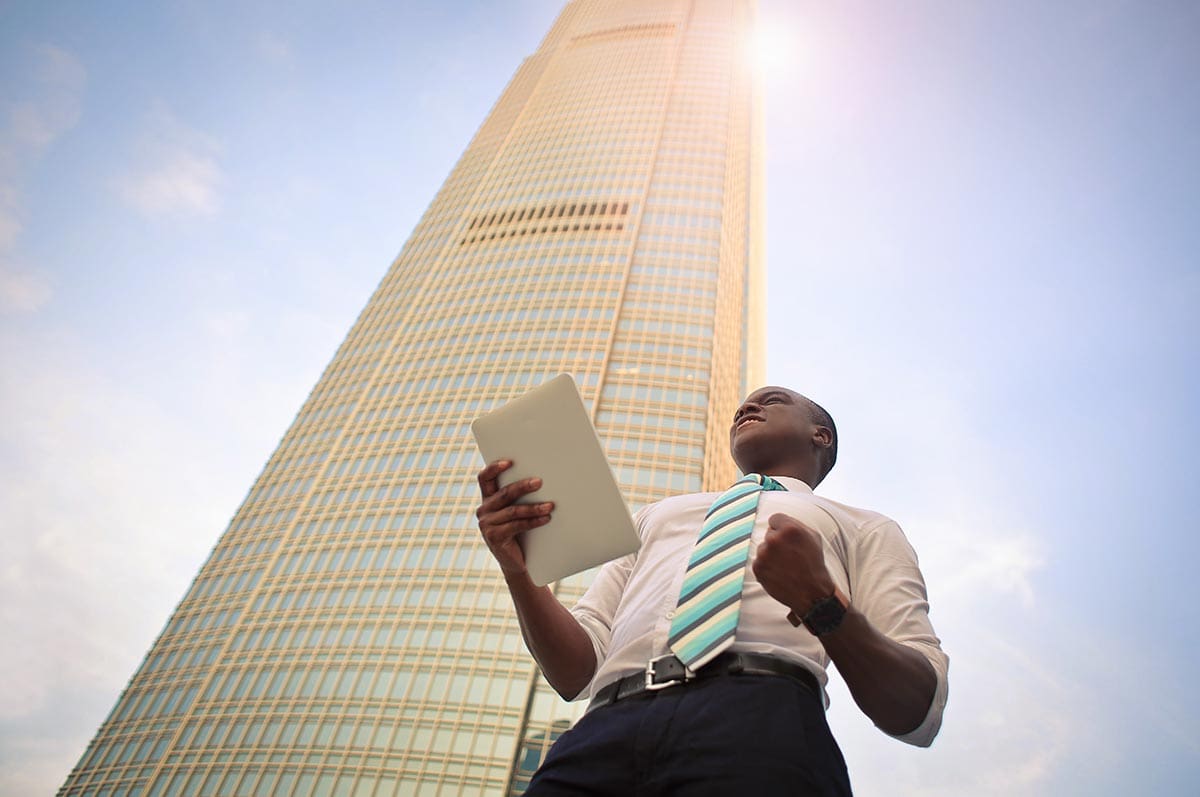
822 436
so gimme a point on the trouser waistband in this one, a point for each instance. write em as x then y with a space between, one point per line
668 671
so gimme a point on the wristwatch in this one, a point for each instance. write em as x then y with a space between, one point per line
825 615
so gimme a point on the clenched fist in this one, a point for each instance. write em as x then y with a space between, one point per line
790 564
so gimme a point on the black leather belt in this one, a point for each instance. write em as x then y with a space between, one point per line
666 671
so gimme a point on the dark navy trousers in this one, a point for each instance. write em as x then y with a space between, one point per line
727 736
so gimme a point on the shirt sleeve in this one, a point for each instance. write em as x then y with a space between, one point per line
887 587
596 609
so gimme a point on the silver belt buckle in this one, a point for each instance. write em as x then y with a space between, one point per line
651 671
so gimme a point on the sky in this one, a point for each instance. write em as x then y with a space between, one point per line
983 258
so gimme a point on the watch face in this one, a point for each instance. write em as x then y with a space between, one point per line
825 615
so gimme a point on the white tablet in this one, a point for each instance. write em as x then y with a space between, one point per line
547 433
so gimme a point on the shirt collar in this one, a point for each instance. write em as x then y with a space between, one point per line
793 485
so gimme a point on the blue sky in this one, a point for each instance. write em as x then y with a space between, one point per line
983 242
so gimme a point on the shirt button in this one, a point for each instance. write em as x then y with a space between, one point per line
671 615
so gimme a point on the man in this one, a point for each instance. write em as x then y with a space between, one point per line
824 582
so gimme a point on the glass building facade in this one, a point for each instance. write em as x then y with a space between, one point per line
350 634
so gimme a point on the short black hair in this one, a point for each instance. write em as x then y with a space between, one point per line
821 417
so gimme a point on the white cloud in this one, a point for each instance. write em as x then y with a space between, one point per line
36 126
179 181
177 172
93 545
51 84
22 290
274 49
1027 708
57 80
988 562
10 221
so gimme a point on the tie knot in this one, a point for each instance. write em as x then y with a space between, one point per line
766 482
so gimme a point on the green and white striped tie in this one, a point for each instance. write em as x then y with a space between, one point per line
710 599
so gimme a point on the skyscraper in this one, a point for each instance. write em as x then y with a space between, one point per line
349 634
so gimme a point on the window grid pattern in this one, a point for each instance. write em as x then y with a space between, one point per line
349 634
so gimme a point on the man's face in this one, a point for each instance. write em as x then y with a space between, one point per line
772 426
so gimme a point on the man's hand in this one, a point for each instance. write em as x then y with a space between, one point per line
501 518
555 638
790 564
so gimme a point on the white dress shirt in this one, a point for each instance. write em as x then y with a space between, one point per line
627 610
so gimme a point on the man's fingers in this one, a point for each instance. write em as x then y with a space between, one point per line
518 512
500 527
508 495
515 512
506 531
489 477
501 518
780 522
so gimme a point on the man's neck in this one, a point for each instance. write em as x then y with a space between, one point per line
791 470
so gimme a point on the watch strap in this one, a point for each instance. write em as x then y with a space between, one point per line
796 620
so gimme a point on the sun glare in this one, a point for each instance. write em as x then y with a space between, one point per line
771 48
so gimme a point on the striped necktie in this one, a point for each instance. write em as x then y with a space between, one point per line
706 615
